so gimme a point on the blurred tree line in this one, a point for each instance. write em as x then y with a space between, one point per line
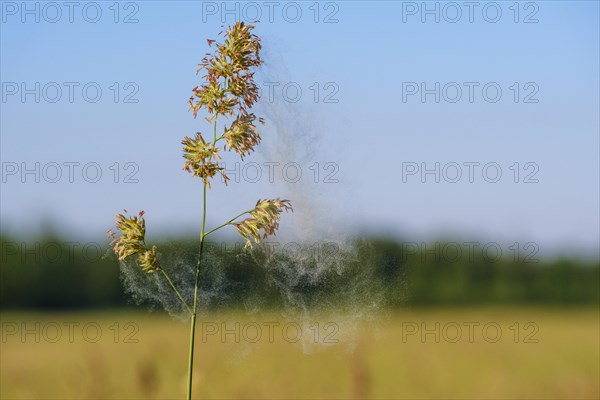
54 273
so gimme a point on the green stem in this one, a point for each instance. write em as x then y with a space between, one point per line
191 356
196 285
194 312
226 223
177 291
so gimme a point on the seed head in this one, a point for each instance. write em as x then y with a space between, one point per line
242 135
199 156
132 241
148 261
229 89
229 85
265 216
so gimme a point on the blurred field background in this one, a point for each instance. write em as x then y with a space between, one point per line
70 332
374 362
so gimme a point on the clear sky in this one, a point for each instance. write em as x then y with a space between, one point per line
388 90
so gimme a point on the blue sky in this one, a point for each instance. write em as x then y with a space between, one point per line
357 131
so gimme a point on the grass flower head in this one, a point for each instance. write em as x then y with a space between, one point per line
264 217
132 241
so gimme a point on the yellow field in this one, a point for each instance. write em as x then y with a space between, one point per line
547 354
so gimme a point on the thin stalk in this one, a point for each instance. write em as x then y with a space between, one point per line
196 285
191 356
177 292
226 223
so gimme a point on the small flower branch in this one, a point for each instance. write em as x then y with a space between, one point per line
177 292
226 223
132 242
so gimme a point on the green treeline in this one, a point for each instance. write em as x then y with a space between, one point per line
56 273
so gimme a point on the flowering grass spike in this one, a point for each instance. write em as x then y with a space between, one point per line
132 241
265 216
229 92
